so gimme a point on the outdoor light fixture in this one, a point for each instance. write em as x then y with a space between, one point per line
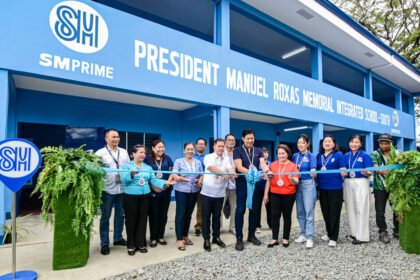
296 128
293 53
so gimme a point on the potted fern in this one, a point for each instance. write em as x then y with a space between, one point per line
403 186
70 185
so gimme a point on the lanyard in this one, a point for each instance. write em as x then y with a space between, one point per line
355 159
159 165
251 163
325 161
297 160
118 156
283 167
190 167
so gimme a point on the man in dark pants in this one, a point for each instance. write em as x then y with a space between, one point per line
213 192
379 158
112 195
246 157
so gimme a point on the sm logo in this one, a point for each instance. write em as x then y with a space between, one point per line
79 27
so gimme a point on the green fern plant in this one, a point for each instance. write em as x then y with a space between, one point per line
403 184
78 173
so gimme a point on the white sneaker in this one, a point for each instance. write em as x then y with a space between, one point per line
258 230
325 238
301 239
332 243
309 244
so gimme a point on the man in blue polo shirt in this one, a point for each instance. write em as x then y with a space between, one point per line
245 158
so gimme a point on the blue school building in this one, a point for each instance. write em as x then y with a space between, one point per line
185 69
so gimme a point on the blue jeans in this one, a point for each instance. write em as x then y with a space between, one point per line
109 201
241 194
185 203
305 205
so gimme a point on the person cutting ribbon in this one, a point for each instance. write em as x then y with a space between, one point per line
246 158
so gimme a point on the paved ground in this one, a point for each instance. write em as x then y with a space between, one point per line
369 261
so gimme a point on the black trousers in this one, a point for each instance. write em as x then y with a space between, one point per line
381 197
136 208
211 208
281 204
331 203
158 214
257 207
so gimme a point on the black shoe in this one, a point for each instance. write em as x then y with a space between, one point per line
273 244
285 245
153 243
121 242
105 250
254 240
131 252
357 242
142 250
239 245
207 245
197 232
219 242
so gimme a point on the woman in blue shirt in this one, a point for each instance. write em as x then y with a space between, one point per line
137 198
186 191
356 191
306 191
330 187
160 201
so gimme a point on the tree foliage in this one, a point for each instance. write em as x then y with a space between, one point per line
395 22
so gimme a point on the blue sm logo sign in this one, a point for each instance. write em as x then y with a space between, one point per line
19 160
78 26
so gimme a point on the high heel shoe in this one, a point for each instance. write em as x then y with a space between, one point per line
273 244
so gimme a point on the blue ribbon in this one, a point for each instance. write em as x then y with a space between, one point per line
252 177
376 168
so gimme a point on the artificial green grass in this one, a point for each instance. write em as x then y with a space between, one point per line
410 231
69 251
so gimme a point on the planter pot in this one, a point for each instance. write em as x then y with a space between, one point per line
70 251
409 231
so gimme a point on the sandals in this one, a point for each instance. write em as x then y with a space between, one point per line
162 242
181 248
188 242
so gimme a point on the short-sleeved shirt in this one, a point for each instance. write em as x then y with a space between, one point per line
261 183
379 158
182 165
330 181
215 185
200 158
231 182
246 156
110 158
288 187
305 162
166 165
359 160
